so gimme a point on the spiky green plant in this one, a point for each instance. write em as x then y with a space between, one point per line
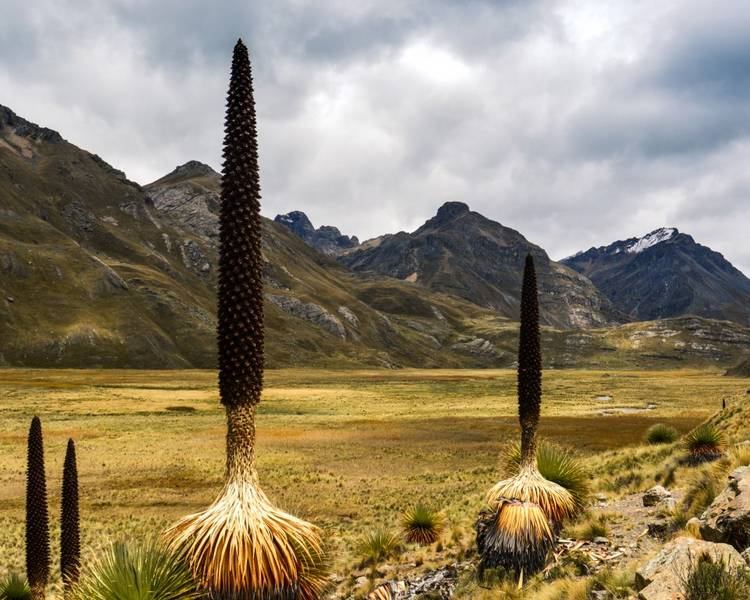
422 525
142 571
704 444
37 518
558 465
14 587
661 434
526 509
242 546
378 545
70 536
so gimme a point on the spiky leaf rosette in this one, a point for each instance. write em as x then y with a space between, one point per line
514 535
242 547
422 525
37 518
70 537
529 486
240 314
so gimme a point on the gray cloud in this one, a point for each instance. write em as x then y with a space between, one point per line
576 123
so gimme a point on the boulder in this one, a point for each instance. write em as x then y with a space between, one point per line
727 519
661 578
656 495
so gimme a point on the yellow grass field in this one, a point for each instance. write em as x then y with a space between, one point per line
347 449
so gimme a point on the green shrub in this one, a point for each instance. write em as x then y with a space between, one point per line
559 465
15 587
704 443
379 545
422 525
661 434
145 571
712 580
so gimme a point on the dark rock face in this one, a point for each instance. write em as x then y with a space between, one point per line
666 274
460 252
727 519
326 239
26 128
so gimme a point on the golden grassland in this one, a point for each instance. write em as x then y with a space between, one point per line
349 450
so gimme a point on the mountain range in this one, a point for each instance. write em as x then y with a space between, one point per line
98 271
666 274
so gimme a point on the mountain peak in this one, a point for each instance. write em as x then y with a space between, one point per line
450 210
327 239
657 236
193 168
27 129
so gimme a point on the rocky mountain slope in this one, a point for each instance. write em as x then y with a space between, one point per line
97 271
666 274
326 239
462 253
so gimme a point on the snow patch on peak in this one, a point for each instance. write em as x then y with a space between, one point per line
647 241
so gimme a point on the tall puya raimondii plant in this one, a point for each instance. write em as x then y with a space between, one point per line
37 517
525 510
70 537
243 547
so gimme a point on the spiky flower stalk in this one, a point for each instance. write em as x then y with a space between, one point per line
242 546
37 518
529 367
70 537
525 510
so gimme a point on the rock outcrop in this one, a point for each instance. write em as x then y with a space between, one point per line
662 577
727 519
326 239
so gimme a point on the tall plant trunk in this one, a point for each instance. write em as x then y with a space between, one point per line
37 519
70 537
529 367
241 443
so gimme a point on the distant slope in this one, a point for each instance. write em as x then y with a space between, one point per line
460 252
741 370
97 271
666 274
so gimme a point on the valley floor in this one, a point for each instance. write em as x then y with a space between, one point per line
347 449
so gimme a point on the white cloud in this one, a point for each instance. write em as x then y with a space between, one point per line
575 122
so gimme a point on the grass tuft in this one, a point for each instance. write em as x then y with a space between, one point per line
661 434
422 525
715 580
379 545
560 466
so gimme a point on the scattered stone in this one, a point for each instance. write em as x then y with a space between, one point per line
660 528
661 577
10 299
669 504
656 495
601 540
727 519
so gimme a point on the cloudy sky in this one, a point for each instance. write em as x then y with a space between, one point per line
576 122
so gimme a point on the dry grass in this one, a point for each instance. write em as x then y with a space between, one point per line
349 450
